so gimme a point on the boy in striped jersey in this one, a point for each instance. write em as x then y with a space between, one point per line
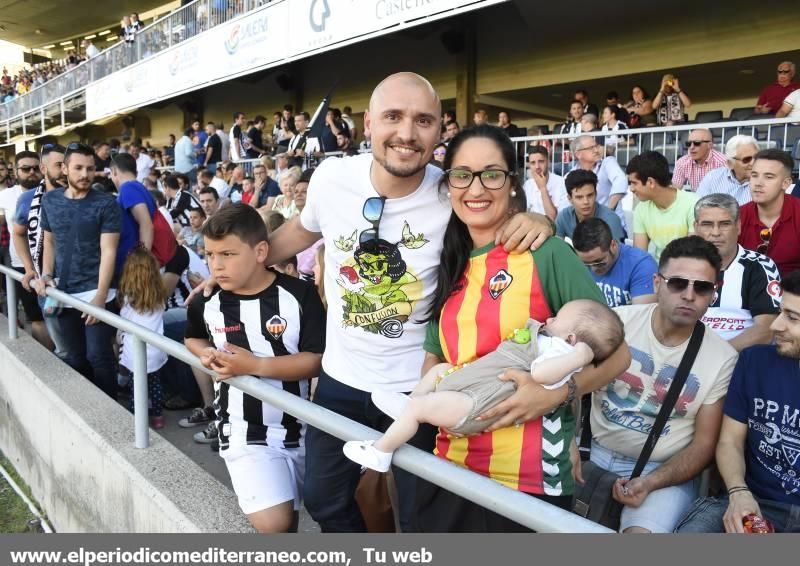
263 324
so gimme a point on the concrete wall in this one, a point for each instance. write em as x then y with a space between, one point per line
74 448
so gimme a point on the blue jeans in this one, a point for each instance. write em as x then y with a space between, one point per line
331 478
662 509
89 349
706 514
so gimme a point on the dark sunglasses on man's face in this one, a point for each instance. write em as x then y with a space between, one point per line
680 284
28 168
696 143
745 160
784 71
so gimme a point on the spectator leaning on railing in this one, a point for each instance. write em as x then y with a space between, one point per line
81 233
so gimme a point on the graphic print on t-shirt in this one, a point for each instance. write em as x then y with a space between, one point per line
377 287
776 426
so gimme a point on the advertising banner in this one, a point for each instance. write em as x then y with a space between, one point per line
268 36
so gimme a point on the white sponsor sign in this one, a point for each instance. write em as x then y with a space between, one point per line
268 36
247 43
319 23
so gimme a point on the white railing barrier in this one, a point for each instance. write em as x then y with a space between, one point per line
515 505
779 133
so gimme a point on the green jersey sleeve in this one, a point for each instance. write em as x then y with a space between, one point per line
563 276
432 344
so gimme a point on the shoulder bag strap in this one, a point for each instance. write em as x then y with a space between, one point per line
672 396
63 278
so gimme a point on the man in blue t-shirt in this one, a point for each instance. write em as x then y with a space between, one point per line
758 453
137 207
582 194
624 274
81 227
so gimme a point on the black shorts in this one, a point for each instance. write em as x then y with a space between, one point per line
441 511
179 262
30 300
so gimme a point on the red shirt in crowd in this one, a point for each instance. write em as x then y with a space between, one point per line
773 95
784 240
247 197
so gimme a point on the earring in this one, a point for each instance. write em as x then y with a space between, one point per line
448 194
513 193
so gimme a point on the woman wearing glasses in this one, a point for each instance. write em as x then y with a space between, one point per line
483 294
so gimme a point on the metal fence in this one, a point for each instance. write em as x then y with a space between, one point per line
180 25
778 133
515 505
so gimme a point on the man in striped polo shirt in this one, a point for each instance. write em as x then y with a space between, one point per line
734 179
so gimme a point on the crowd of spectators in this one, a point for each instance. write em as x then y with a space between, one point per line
12 86
714 241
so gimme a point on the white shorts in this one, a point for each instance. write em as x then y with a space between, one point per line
264 476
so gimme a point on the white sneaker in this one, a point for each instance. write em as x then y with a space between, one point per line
392 404
363 452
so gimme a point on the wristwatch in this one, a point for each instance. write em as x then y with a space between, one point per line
572 389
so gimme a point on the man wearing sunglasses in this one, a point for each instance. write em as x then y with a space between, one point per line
701 158
749 284
623 273
771 223
773 95
734 179
29 175
623 413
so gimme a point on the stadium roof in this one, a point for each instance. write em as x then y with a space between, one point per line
34 23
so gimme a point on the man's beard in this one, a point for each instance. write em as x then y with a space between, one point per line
404 172
56 181
29 183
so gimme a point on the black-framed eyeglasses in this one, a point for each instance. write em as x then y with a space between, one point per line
680 284
745 160
492 179
766 236
587 147
28 168
696 143
373 212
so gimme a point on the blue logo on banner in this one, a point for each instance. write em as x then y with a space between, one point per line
318 13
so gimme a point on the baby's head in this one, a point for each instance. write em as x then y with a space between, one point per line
589 322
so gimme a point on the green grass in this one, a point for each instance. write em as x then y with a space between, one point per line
14 514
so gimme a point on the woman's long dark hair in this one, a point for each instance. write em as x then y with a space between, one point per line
457 241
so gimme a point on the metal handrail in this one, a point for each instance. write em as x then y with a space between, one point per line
665 129
665 139
515 505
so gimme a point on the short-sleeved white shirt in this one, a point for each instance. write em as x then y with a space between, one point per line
377 298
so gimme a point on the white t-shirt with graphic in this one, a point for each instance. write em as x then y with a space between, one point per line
624 411
377 292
